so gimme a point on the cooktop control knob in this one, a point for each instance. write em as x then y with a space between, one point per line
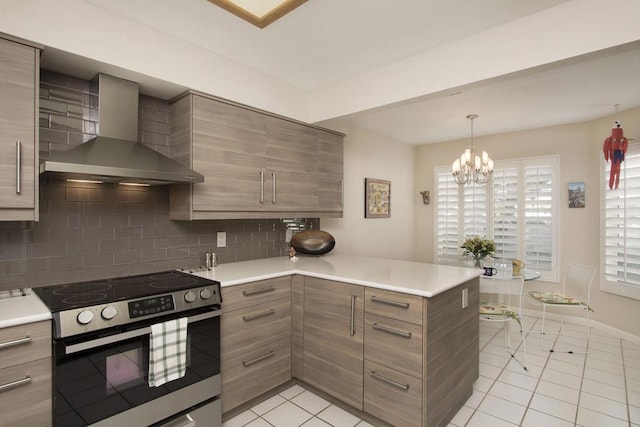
85 317
205 293
190 296
109 312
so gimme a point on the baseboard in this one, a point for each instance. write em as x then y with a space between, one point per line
575 320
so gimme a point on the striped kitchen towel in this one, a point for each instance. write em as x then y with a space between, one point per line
167 351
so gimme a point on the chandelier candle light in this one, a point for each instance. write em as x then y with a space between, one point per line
470 168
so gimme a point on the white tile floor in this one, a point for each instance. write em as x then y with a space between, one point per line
600 389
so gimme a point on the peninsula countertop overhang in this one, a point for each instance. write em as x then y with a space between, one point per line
416 278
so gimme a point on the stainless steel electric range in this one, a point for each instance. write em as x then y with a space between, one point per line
101 350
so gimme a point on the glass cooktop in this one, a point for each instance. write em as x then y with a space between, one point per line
82 294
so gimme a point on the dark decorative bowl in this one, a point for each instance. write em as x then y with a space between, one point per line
312 242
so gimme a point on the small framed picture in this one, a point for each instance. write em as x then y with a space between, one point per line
576 195
377 199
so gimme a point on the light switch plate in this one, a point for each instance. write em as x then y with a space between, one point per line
222 239
465 297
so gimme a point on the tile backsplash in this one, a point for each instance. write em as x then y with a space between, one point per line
91 231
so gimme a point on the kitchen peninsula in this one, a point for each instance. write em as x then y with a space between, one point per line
395 339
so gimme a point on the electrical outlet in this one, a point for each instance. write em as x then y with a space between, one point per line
222 239
465 298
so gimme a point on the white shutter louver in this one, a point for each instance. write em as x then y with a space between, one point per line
622 222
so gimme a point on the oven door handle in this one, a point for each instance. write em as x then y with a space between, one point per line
99 342
185 421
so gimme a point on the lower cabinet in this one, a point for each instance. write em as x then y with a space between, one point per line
334 339
405 359
393 352
392 396
25 377
255 339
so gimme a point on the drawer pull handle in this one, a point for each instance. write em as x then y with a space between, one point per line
390 302
26 380
258 315
392 331
379 377
19 341
258 291
258 359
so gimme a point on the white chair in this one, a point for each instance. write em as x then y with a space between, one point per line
577 278
504 305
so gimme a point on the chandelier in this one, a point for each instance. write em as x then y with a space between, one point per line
471 168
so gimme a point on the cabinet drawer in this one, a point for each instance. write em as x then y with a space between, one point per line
24 343
254 372
248 329
260 292
393 343
28 404
392 396
394 304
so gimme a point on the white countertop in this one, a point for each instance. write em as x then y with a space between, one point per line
415 278
19 310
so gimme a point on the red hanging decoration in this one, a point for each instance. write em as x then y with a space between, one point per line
614 148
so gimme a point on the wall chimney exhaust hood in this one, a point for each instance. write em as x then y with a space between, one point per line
116 155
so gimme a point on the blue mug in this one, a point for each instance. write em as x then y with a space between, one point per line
490 271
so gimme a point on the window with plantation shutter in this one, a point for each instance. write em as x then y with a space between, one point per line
518 209
540 212
620 232
505 211
447 213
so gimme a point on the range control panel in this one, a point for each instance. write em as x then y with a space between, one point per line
153 305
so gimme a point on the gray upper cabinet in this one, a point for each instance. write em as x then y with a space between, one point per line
19 81
256 165
330 171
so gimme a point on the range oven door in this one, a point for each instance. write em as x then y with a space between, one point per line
103 380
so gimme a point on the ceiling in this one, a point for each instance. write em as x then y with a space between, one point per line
324 42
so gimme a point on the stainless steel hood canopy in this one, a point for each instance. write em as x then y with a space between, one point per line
116 155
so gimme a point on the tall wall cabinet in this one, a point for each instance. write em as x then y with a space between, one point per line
19 83
256 165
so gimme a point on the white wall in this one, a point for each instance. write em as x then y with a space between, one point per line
367 155
580 149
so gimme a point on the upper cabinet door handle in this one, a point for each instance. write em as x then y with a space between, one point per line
261 186
18 166
273 188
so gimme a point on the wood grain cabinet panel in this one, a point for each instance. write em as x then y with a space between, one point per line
19 84
255 339
256 164
255 326
30 404
393 343
330 171
255 293
395 305
392 396
333 338
257 371
30 342
25 358
451 351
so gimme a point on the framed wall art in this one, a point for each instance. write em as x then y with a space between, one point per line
377 198
576 195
